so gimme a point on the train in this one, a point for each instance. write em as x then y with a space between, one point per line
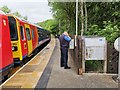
18 40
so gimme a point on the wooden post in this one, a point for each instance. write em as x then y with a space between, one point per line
83 55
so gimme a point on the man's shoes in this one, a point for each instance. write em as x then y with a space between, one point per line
67 67
62 66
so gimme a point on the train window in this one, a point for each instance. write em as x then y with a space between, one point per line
39 33
28 34
22 33
13 28
33 34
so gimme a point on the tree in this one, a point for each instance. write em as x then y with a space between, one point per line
17 14
91 14
82 18
5 9
86 17
25 17
64 12
52 25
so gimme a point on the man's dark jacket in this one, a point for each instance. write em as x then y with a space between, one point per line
63 42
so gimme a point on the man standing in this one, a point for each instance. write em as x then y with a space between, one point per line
64 45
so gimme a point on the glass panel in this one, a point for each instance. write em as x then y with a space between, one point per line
33 34
22 32
13 28
28 34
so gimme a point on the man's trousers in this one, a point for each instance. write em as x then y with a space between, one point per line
64 56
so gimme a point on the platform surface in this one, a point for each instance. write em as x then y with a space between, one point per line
45 72
29 75
68 78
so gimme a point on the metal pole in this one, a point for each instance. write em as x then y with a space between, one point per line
117 47
76 22
119 62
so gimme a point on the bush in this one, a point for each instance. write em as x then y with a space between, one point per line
110 31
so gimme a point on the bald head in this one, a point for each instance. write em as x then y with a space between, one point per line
65 33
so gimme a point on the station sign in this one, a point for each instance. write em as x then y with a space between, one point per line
95 48
71 44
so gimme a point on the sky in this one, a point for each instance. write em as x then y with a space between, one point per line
35 10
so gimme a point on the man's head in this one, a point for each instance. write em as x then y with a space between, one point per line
65 33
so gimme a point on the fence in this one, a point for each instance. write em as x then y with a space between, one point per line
112 57
76 54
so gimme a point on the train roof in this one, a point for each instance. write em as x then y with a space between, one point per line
17 17
26 21
21 19
38 26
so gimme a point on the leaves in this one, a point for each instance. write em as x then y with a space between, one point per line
64 13
110 31
103 18
6 10
51 25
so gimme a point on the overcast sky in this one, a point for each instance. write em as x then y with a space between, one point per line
35 10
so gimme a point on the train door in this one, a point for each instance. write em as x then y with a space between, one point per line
29 38
24 45
34 36
15 38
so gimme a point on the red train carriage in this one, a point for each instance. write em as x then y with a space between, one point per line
34 36
24 37
6 57
18 38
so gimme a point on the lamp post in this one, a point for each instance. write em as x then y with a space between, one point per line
76 22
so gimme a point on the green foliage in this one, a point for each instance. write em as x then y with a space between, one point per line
64 13
51 25
25 17
17 14
109 30
103 11
94 66
5 9
99 13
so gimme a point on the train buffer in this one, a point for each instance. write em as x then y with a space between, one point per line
44 71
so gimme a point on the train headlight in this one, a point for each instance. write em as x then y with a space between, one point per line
14 48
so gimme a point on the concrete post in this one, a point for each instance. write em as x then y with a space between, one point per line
105 61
